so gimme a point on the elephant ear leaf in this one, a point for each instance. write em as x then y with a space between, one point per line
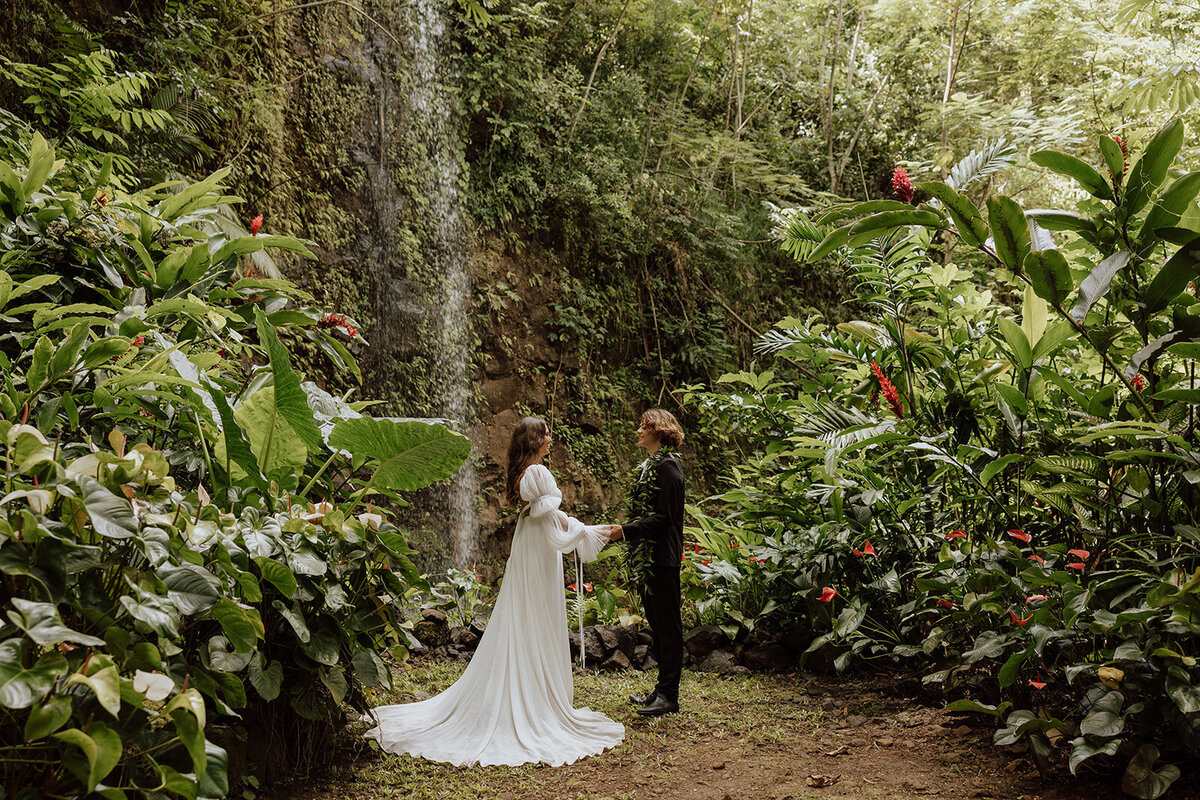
290 399
409 454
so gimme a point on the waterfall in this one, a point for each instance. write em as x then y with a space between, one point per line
433 104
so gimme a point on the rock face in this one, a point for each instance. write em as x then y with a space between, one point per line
703 640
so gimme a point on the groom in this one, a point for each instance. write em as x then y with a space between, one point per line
655 536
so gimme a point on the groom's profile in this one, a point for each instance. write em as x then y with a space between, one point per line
655 536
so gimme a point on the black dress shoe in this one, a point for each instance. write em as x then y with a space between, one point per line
642 700
660 706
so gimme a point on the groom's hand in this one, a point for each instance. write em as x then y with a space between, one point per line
614 532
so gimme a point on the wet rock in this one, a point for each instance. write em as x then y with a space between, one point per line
702 640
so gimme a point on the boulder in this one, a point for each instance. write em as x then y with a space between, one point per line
573 643
640 654
479 625
644 636
608 637
464 638
616 661
593 647
702 640
768 657
430 633
435 615
721 662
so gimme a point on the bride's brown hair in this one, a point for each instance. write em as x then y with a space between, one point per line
527 439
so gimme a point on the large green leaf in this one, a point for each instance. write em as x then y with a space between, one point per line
1151 169
1010 231
101 746
1174 276
410 454
290 399
886 220
1082 750
1018 343
241 625
1170 206
1142 780
1097 283
42 624
967 219
1091 180
105 684
47 717
1104 720
214 782
268 680
278 575
192 197
233 446
278 449
1049 274
111 516
192 588
21 687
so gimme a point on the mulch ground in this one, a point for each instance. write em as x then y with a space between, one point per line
758 737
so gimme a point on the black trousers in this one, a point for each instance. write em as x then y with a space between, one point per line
662 604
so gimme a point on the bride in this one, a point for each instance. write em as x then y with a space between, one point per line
514 703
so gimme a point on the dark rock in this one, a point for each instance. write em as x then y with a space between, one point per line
479 625
644 636
464 638
650 664
430 633
593 647
704 639
641 653
608 637
573 643
440 652
616 661
768 657
435 615
721 662
796 637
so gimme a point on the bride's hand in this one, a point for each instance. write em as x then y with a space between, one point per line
614 532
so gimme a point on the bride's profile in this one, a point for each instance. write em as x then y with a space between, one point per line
514 704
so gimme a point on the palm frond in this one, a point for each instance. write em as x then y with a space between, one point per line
798 235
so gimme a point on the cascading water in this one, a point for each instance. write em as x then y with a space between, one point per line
433 104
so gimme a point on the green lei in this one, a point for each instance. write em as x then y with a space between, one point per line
639 557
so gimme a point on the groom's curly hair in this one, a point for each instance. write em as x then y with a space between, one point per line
663 423
527 439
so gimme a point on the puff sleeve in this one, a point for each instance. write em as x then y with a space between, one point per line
562 532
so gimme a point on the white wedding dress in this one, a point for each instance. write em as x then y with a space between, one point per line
514 703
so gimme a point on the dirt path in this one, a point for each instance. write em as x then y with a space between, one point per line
740 738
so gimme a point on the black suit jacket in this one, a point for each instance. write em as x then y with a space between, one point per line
664 527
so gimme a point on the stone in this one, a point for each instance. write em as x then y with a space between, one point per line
431 634
593 647
608 637
435 615
644 636
650 664
616 661
464 638
573 643
479 625
721 662
702 640
768 657
641 653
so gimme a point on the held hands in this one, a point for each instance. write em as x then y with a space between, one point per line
614 532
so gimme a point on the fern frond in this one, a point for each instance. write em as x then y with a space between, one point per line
992 157
798 235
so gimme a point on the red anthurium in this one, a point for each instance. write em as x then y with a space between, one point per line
945 604
1038 559
1017 620
827 594
1039 685
1033 597
696 549
587 587
1021 536
868 550
705 563
957 533
1081 553
1079 565
255 224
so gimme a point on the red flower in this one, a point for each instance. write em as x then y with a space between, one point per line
1079 565
255 224
1017 620
901 185
1038 559
1138 382
222 353
957 533
868 550
102 199
1033 597
1039 685
705 563
827 594
754 559
696 549
733 545
383 566
1081 553
889 391
1021 536
138 342
945 604
682 557
571 586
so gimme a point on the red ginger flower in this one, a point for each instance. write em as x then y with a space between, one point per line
945 604
889 390
827 594
868 550
1138 382
255 224
901 185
